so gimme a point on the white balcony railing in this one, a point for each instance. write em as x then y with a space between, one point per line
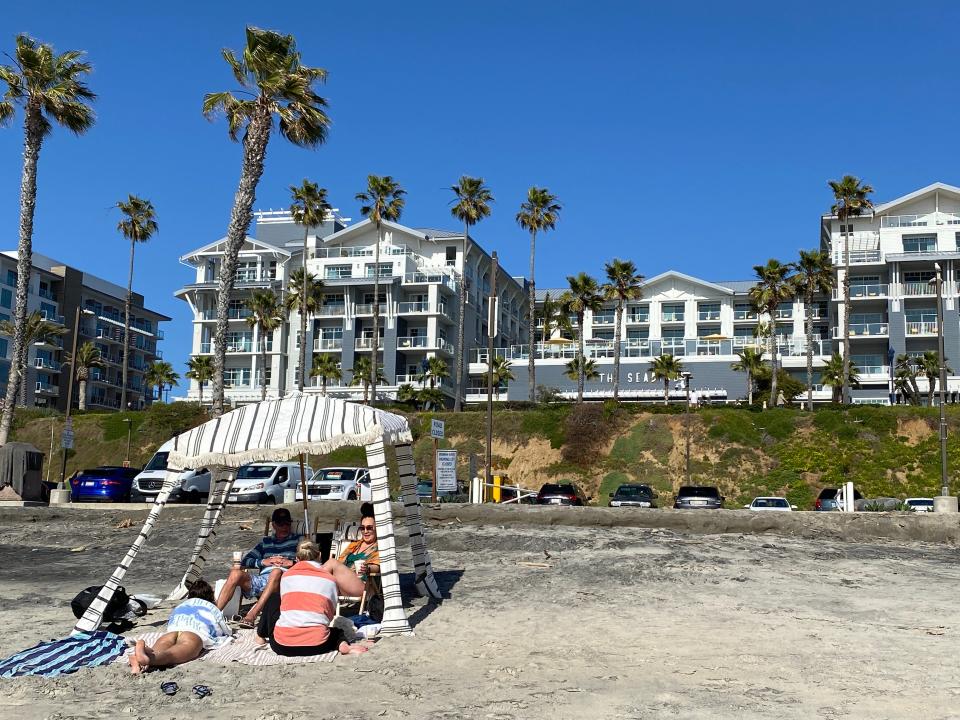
877 290
366 343
327 344
925 220
918 289
331 310
367 309
669 317
744 315
921 328
876 329
413 341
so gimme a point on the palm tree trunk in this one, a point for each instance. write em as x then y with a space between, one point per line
24 375
263 365
461 322
366 387
931 389
581 369
323 381
254 153
531 365
809 302
301 376
32 140
749 387
376 314
200 386
126 328
773 360
666 391
845 380
82 405
616 351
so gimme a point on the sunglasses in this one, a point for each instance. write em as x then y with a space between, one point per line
367 528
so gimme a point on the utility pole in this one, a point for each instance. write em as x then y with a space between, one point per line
686 375
68 426
492 318
944 482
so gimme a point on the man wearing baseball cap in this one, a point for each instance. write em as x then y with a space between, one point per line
259 573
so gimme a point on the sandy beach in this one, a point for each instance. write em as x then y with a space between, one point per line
542 621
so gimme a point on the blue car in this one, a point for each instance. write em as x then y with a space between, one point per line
107 483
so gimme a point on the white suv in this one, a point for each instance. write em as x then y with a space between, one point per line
264 482
339 483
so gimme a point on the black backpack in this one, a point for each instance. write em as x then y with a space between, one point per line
116 608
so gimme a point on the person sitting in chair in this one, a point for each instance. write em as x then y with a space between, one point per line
362 555
267 560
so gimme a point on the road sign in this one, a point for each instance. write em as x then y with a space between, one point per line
447 470
66 439
436 429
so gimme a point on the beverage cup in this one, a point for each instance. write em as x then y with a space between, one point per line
360 567
237 558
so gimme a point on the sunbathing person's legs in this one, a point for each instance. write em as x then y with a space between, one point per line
273 586
173 648
238 578
348 582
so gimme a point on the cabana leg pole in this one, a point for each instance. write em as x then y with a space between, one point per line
306 501
423 572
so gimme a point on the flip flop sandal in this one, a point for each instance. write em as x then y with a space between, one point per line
169 688
202 691
244 625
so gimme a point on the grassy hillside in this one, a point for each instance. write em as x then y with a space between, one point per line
885 451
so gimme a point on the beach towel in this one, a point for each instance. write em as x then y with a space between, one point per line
61 657
242 650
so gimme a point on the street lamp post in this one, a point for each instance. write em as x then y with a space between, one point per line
492 317
129 423
68 424
944 482
686 375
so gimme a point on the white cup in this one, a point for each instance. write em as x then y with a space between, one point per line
237 558
360 567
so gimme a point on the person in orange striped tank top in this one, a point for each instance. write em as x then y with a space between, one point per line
296 621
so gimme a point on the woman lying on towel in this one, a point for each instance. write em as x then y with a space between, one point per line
195 625
296 621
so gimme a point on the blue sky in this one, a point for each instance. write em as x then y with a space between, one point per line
698 137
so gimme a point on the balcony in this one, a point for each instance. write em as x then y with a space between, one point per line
858 292
638 317
858 257
331 311
419 308
47 294
918 289
672 317
430 278
207 347
50 341
367 309
744 315
708 316
785 314
921 328
46 389
366 343
604 318
45 364
413 341
925 220
873 372
320 344
51 317
876 329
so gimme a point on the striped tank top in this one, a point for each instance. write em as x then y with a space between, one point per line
308 600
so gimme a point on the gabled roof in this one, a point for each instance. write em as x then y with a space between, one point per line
937 186
436 233
688 278
251 240
341 235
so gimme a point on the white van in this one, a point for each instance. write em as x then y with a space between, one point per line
339 483
264 482
193 483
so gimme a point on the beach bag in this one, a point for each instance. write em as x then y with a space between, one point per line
118 606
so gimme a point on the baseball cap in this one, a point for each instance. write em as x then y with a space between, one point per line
281 515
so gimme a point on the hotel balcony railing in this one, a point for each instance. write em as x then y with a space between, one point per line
207 347
668 317
45 364
413 341
340 252
921 328
47 294
873 370
860 257
918 289
425 278
785 314
331 310
328 344
863 291
337 274
638 317
367 309
875 329
705 315
52 317
47 389
366 343
604 319
50 341
925 220
427 307
744 315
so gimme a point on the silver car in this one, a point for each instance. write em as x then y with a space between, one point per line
775 504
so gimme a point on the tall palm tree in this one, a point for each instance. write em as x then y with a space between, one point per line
751 360
309 208
382 201
773 287
905 375
264 307
815 275
35 329
851 200
303 293
51 89
275 84
666 368
88 356
200 368
435 371
362 373
832 375
581 367
160 374
139 224
538 213
472 203
550 313
326 368
584 294
501 373
929 365
623 284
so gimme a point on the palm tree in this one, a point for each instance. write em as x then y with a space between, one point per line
905 377
472 200
160 374
851 200
501 373
538 213
326 368
382 201
832 375
362 374
88 356
265 316
623 284
200 368
35 329
309 208
815 275
307 294
773 287
584 294
138 225
929 365
275 84
581 367
406 394
550 313
434 372
51 90
751 360
666 368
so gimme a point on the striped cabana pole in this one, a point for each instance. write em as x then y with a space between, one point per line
423 571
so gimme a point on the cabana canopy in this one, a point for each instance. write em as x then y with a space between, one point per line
276 430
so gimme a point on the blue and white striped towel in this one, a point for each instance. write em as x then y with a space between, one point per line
64 656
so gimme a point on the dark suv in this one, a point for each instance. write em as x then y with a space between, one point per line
633 496
698 497
560 494
827 499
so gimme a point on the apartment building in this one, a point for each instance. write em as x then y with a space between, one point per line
56 292
420 274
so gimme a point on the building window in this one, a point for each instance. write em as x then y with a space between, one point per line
744 311
246 271
12 278
919 243
386 269
785 311
707 330
672 313
451 255
335 272
236 377
603 335
638 313
6 298
641 334
3 347
708 311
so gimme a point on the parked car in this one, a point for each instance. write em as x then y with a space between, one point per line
339 483
192 485
425 492
827 499
698 497
107 483
776 504
633 496
264 482
919 504
565 493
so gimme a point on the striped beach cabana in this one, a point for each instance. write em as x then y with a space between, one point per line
278 430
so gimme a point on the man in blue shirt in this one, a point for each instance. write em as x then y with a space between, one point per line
261 568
